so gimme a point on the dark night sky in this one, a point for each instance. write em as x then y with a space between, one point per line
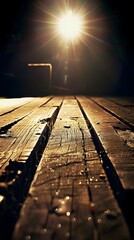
106 65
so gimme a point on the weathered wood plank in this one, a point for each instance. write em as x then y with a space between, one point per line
20 154
12 132
21 112
123 101
127 115
22 137
115 147
8 105
65 198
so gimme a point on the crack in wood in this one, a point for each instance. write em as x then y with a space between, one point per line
110 171
4 129
92 204
13 197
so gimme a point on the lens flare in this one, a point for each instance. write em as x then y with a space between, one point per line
70 26
61 23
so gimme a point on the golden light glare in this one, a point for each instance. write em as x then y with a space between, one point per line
65 23
70 26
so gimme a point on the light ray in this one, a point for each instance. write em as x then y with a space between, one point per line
86 24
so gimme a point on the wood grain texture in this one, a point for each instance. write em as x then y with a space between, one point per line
70 196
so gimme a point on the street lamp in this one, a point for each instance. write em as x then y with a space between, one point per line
70 28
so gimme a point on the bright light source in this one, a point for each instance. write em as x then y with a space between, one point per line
70 26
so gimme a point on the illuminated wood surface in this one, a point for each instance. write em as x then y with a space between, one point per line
67 168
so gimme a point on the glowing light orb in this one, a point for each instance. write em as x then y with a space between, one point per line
70 26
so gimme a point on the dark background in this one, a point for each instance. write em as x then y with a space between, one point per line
102 66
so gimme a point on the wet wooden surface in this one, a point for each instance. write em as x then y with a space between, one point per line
66 168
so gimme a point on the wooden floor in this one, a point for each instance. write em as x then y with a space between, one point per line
66 168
